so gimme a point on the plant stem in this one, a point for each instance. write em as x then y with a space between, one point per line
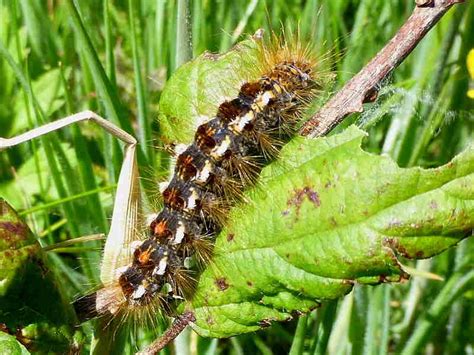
455 287
364 87
298 339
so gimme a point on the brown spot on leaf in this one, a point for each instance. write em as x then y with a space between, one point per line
265 323
316 306
297 313
230 237
18 229
299 195
394 244
390 242
222 284
313 197
249 283
211 56
403 251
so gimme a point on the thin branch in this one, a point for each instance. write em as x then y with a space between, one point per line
363 87
176 328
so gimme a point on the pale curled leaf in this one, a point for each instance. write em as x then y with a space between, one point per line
327 215
126 223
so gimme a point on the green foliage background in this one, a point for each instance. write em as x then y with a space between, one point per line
113 57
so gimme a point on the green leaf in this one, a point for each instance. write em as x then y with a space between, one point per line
9 345
32 304
49 94
26 182
328 215
38 24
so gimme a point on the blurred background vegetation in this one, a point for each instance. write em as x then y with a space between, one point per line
113 57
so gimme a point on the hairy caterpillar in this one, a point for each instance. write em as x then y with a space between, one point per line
225 157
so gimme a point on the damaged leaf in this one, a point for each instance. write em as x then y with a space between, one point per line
33 309
328 215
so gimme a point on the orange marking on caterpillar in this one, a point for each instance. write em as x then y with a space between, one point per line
185 167
204 137
172 197
160 229
228 110
144 256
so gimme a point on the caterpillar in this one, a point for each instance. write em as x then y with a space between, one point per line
225 157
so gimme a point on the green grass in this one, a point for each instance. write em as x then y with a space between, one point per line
113 57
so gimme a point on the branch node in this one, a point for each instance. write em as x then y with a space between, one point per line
371 96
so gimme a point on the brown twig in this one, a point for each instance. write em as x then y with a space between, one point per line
172 332
363 87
